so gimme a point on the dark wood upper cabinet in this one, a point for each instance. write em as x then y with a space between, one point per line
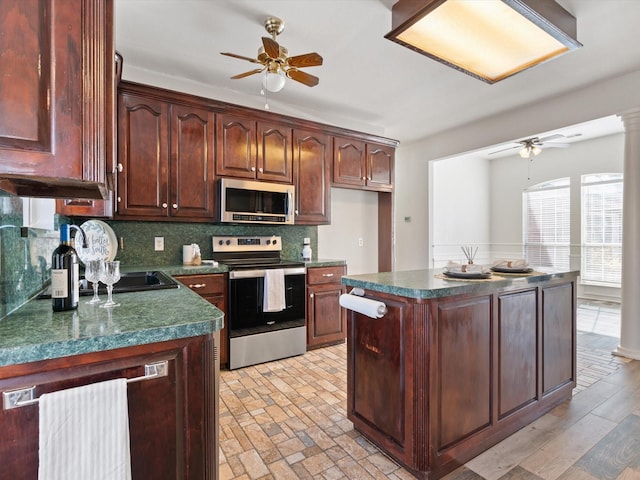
56 123
253 149
236 147
274 152
311 170
143 148
380 164
191 166
166 154
349 166
360 164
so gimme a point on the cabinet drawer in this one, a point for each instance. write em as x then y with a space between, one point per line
319 275
204 284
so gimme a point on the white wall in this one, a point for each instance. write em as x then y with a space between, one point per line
459 194
354 216
411 208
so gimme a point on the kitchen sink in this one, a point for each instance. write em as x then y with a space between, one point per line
129 282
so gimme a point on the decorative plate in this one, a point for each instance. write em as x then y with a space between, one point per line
512 270
101 239
468 275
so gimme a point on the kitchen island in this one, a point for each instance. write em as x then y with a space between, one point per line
169 338
455 366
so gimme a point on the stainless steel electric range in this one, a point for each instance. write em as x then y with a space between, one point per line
258 331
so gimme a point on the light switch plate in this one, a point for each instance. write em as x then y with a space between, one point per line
159 244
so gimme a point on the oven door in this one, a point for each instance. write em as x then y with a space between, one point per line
246 296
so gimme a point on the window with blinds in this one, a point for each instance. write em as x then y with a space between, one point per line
602 229
547 224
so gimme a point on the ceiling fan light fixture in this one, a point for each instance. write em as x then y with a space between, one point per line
536 150
525 152
273 81
490 39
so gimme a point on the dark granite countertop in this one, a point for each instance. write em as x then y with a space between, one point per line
423 284
324 262
34 332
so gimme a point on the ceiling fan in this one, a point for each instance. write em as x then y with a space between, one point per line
276 63
533 146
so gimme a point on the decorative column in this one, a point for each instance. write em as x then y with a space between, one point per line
630 308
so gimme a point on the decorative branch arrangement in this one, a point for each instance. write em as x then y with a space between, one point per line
470 253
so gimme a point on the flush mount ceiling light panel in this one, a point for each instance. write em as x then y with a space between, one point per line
487 39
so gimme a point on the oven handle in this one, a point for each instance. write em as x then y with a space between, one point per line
258 273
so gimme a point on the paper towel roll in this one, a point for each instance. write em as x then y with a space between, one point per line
370 308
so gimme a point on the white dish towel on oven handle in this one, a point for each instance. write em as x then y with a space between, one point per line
274 298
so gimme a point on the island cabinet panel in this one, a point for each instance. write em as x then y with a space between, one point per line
438 380
311 177
517 351
56 87
173 420
379 358
464 358
557 305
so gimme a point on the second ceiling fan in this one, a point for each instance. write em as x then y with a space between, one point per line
533 146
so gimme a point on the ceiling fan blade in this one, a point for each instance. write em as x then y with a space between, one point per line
246 74
504 149
271 47
554 145
252 60
302 77
550 137
307 60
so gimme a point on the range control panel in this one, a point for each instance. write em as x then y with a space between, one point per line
228 243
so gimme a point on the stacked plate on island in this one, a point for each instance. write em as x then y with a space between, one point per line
468 271
511 266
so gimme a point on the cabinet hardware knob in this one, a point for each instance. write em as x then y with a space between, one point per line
175 205
119 199
364 178
311 295
327 274
253 169
197 285
297 212
120 167
164 205
261 169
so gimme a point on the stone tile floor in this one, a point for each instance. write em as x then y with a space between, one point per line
287 420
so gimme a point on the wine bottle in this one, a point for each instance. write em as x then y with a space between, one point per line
65 274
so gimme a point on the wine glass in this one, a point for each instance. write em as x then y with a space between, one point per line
92 271
110 275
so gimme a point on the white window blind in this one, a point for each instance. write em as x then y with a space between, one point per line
601 229
547 224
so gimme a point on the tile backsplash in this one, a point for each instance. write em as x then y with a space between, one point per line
25 253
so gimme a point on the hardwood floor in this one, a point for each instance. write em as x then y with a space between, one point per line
287 420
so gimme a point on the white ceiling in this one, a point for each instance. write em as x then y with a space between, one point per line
367 82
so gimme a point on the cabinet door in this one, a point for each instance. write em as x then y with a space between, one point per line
326 320
213 288
173 419
380 161
236 147
55 123
349 167
311 167
192 192
274 153
143 187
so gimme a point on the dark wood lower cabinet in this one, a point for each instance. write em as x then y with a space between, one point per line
437 381
173 420
213 288
326 319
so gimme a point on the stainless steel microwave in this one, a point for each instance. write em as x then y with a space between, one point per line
246 201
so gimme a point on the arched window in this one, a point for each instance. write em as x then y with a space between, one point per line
601 229
547 224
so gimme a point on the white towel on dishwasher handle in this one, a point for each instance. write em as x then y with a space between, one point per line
84 433
274 298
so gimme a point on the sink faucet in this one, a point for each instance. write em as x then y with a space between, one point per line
85 244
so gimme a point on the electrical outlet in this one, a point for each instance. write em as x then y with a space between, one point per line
360 242
159 244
